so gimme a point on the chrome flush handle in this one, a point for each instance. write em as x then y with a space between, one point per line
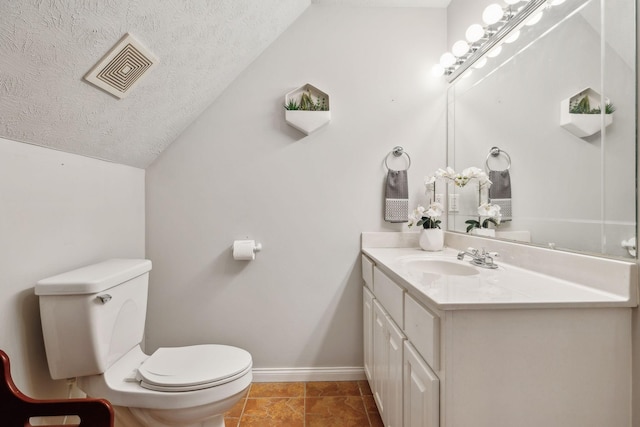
104 298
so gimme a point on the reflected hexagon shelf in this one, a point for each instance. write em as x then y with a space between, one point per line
307 121
583 125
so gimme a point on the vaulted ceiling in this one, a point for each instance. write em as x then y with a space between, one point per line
47 46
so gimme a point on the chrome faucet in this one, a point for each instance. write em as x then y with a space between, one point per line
482 259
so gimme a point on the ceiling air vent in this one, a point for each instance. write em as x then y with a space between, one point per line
122 67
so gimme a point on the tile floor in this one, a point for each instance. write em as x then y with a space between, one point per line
311 404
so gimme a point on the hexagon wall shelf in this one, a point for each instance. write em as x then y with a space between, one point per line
583 125
307 121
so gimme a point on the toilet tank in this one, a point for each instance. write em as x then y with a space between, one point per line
92 316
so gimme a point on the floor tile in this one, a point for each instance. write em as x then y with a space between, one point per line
273 412
334 411
312 404
375 420
231 422
346 408
369 404
276 390
333 388
313 421
365 389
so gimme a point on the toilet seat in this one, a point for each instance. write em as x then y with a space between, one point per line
197 367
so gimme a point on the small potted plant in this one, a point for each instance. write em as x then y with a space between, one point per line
578 116
431 235
307 108
489 213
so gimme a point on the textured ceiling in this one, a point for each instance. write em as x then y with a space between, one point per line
47 46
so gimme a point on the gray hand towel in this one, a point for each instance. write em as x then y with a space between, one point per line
396 204
500 192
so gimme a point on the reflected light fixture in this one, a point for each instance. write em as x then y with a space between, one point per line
460 48
534 19
492 14
512 37
499 21
479 63
474 33
494 52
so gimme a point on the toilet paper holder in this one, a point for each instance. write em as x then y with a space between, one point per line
245 250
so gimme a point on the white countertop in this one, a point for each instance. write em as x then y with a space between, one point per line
507 286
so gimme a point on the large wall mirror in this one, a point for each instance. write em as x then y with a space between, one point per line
571 176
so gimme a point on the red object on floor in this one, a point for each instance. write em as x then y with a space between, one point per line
16 408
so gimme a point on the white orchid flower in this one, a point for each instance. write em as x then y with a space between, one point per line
460 180
448 173
435 210
489 210
472 172
416 215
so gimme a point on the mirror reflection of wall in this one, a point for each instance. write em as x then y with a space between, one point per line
569 192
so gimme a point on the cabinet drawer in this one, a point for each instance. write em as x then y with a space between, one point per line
423 330
367 271
389 294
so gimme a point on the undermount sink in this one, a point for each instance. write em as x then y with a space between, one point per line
438 266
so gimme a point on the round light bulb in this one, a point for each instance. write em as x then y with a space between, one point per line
480 63
447 60
556 2
494 52
474 33
534 19
512 37
492 14
437 70
460 48
511 1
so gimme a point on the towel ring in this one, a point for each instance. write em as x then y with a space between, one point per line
397 152
495 152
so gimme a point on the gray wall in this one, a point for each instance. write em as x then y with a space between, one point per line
240 171
59 211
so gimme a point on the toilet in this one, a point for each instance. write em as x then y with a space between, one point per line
93 323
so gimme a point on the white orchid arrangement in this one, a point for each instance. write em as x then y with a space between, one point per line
460 179
490 213
426 217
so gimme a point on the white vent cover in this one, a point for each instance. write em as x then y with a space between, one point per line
122 67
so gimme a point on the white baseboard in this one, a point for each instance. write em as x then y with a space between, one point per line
274 375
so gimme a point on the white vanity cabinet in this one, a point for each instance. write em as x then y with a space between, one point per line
403 385
383 346
525 366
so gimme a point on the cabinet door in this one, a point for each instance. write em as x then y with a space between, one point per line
388 349
421 391
380 356
393 387
367 313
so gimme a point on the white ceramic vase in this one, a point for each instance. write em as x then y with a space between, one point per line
431 239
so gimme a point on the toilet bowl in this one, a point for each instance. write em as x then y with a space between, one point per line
101 310
185 386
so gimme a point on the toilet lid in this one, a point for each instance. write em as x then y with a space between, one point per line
193 368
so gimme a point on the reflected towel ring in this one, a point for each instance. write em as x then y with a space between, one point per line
397 152
495 152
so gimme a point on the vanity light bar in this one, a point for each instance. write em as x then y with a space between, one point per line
497 29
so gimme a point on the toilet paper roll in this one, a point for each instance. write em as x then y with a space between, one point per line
244 250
